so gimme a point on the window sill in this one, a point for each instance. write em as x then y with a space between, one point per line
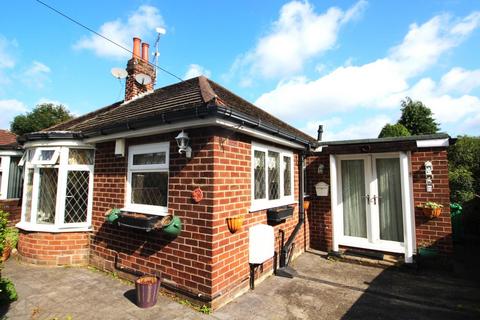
156 211
50 228
266 205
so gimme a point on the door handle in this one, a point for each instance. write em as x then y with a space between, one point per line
375 197
367 196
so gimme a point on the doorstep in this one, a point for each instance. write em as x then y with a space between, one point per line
367 257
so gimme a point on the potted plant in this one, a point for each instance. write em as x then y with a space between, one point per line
431 209
11 240
146 288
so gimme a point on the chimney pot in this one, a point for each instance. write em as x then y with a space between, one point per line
145 51
136 47
320 132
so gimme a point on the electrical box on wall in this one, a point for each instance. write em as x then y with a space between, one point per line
428 176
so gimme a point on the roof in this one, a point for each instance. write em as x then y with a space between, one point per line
8 140
194 97
390 144
441 135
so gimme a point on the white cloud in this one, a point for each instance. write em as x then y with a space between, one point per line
385 81
298 35
139 23
9 108
460 80
36 75
335 128
195 70
7 59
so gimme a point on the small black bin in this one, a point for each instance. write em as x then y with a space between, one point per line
279 214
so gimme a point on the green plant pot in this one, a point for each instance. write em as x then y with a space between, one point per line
427 252
173 228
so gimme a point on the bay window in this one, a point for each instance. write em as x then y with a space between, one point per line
147 179
58 187
272 177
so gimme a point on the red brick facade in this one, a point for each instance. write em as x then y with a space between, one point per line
206 260
433 233
54 249
436 232
14 208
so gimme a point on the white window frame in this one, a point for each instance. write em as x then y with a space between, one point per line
4 169
63 168
164 167
52 161
265 203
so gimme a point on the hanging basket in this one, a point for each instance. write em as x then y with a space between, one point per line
234 223
431 212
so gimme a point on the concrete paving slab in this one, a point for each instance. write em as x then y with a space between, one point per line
323 289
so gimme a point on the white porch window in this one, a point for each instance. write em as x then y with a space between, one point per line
147 179
10 174
58 188
272 177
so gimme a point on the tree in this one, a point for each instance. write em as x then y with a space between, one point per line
43 116
464 168
417 118
394 130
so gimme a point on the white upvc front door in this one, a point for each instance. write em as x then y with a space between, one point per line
371 202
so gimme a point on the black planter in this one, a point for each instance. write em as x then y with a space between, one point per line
138 221
279 214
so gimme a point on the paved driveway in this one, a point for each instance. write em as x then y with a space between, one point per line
323 290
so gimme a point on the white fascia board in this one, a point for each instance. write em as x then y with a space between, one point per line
56 143
195 124
258 134
432 143
11 152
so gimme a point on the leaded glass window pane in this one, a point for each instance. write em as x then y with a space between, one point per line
259 174
80 156
149 158
28 195
76 199
47 195
287 176
150 188
273 175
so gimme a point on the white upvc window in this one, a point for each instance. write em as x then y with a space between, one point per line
58 188
10 174
272 177
147 179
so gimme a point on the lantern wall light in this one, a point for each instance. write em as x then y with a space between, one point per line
183 144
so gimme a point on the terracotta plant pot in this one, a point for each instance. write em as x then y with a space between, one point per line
306 204
6 252
431 212
234 223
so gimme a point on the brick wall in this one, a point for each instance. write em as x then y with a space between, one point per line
54 249
184 262
206 259
14 208
320 214
232 196
434 232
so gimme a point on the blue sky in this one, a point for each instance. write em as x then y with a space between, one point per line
344 64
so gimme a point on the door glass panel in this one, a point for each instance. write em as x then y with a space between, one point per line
390 199
353 198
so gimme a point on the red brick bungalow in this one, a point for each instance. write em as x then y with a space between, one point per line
245 162
10 175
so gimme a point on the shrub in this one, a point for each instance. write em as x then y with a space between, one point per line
394 130
7 288
461 185
7 291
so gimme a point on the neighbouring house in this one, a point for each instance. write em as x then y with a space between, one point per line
10 175
235 160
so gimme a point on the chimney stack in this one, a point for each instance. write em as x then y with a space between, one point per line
145 51
320 132
136 65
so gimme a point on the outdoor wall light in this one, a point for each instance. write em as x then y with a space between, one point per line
182 142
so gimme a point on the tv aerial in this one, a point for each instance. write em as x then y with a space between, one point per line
119 73
143 79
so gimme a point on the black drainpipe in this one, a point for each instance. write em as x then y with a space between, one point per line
301 216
